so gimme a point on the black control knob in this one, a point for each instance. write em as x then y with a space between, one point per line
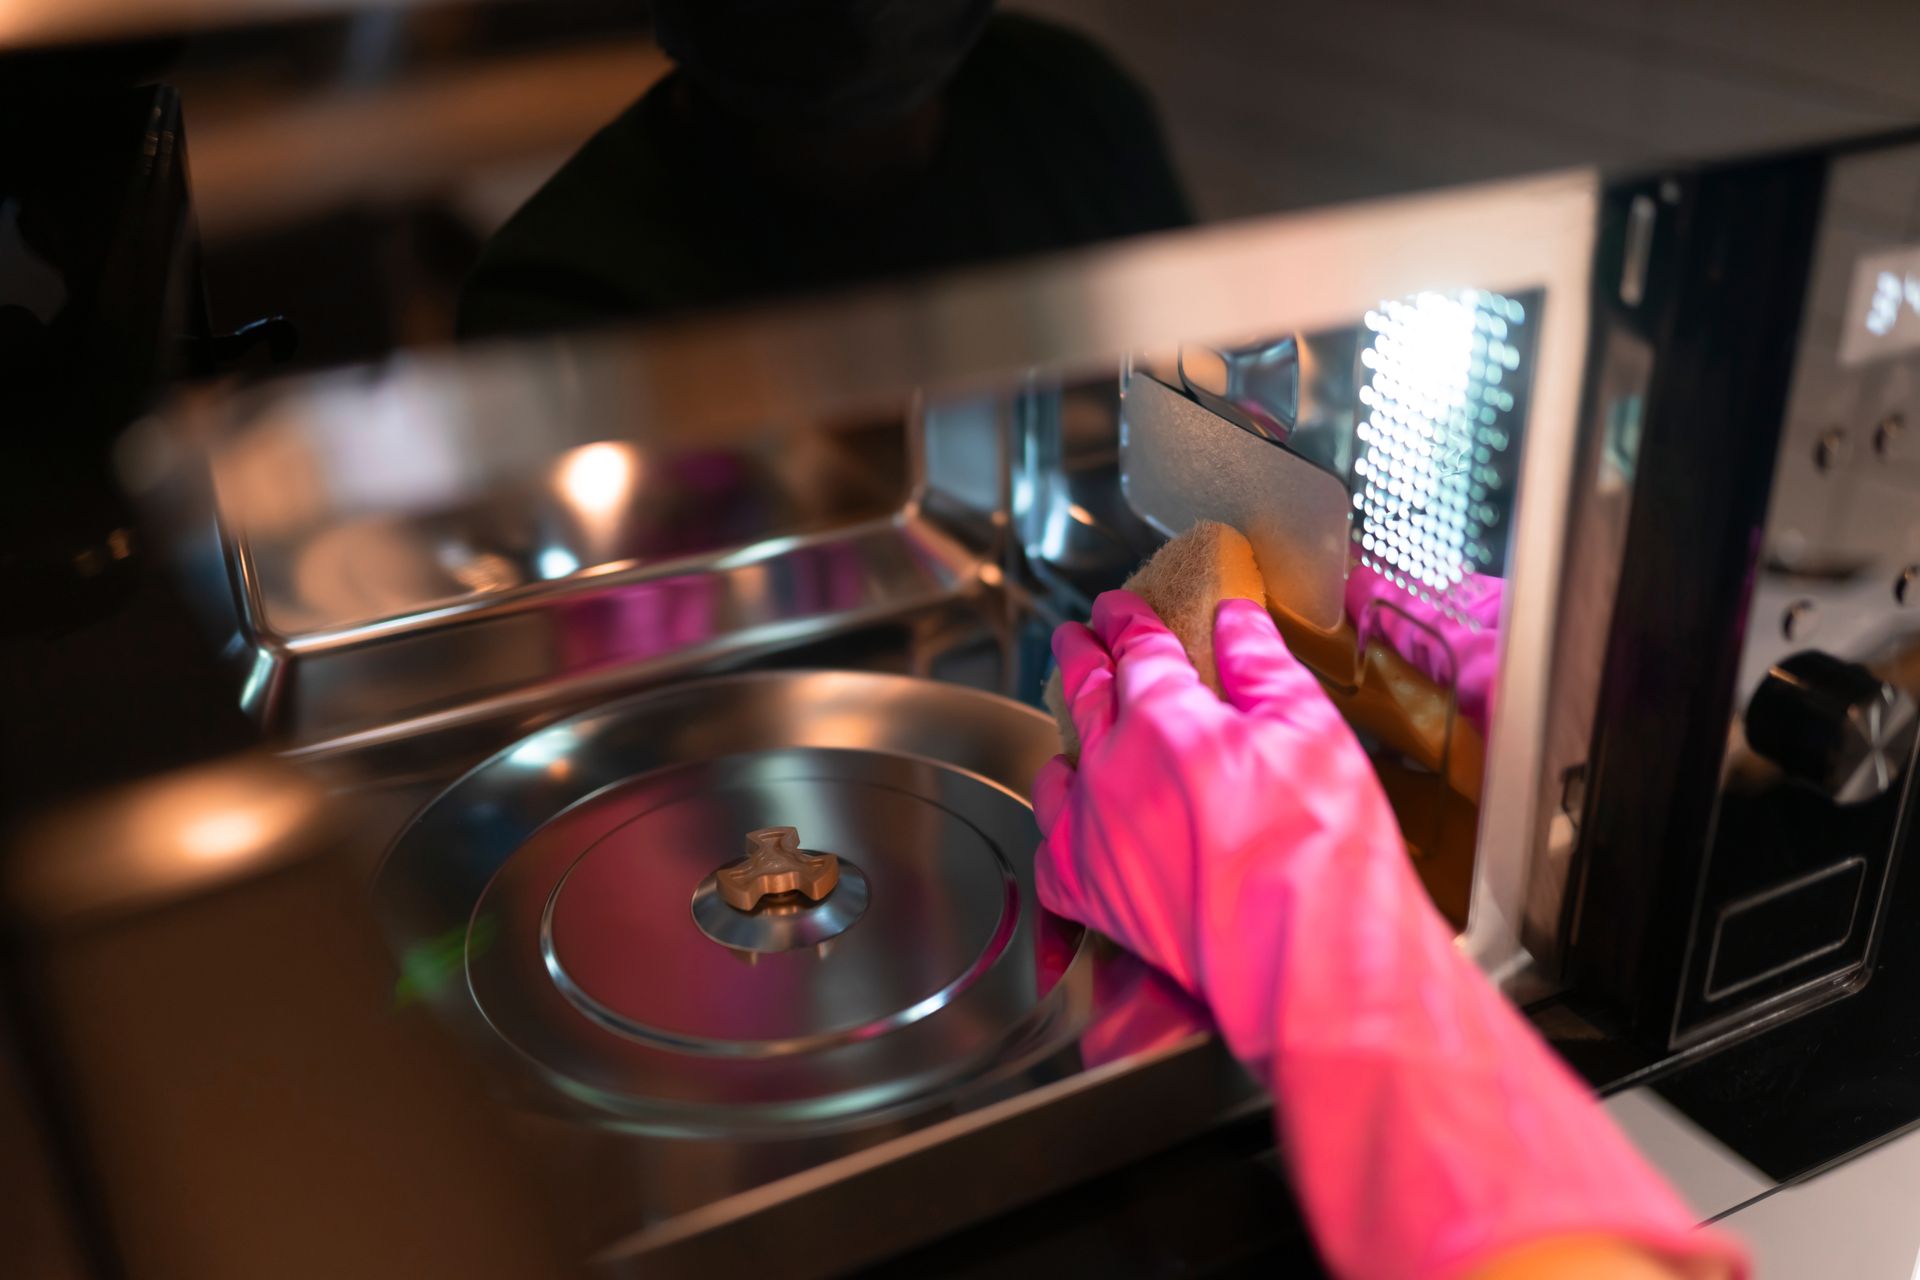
1832 724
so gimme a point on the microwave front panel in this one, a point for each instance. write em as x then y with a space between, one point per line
1819 763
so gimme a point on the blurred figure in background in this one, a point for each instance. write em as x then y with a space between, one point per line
801 147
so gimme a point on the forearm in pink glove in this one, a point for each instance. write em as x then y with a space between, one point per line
1442 647
1244 847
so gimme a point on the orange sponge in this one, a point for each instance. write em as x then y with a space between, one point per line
1184 582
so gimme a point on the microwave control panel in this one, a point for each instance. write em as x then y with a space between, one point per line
1816 784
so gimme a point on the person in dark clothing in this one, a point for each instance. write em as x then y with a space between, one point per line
801 147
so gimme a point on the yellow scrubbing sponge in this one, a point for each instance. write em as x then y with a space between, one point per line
1185 582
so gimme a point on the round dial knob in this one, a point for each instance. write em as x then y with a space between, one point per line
1832 724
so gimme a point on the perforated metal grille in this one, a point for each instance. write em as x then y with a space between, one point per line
1433 482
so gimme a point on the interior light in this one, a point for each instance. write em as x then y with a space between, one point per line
597 480
556 562
544 749
223 834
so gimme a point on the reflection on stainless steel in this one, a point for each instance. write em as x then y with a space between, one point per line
953 1027
177 836
1832 725
947 911
303 459
31 23
511 406
598 479
1180 463
399 565
484 658
1257 387
1038 1127
1600 504
206 985
338 678
577 847
1299 390
1011 1151
1323 430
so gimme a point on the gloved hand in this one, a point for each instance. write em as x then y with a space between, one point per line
1136 1008
1440 646
1244 846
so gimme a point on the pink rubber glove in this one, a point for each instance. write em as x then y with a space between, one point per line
1136 1008
1381 611
1244 846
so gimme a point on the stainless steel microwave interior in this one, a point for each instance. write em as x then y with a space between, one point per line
450 540
415 566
